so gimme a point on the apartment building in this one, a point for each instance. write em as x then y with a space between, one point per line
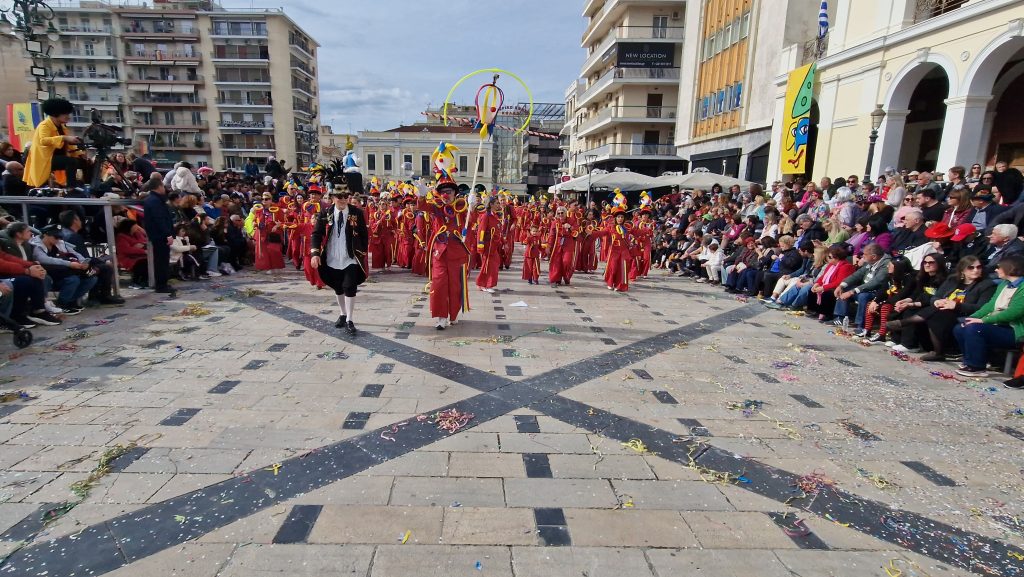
622 110
404 152
190 80
726 103
946 73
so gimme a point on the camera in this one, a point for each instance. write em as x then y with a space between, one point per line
103 136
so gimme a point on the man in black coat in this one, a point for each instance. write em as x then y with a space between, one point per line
160 230
339 244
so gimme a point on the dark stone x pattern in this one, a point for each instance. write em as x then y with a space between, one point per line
125 539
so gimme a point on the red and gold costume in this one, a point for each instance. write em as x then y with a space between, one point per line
420 237
619 239
488 246
531 257
267 238
406 242
304 233
448 258
586 256
563 242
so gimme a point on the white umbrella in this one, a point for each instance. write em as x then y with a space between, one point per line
624 181
701 180
578 184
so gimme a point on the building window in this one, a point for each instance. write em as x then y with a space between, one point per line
720 102
480 165
726 36
387 163
371 162
736 30
745 26
424 165
407 163
709 45
463 164
737 95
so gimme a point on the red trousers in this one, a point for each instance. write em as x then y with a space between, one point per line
616 274
531 268
405 252
489 266
419 260
563 263
448 282
586 261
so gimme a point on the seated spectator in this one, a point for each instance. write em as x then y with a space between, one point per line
131 253
931 208
71 272
901 282
998 324
875 232
1003 242
799 277
13 185
911 234
861 286
14 240
785 260
742 266
959 207
984 212
183 254
910 325
24 292
713 259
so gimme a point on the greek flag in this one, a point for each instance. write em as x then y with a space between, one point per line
823 20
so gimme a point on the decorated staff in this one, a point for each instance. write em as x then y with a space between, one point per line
338 252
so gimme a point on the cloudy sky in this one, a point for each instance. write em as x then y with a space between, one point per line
382 62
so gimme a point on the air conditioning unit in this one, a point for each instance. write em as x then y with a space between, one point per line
677 16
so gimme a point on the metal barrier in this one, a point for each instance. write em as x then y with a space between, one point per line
108 214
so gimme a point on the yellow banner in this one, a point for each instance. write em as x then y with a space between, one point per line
796 124
22 118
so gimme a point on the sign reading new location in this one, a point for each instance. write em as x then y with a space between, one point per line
642 55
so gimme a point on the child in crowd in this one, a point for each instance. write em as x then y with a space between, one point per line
531 257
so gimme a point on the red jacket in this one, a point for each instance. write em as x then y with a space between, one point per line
127 252
845 269
12 265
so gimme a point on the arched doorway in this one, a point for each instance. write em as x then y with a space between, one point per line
1004 122
922 134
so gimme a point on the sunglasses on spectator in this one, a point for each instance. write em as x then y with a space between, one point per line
974 267
931 262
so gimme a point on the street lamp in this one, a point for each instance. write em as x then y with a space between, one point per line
591 159
877 115
32 21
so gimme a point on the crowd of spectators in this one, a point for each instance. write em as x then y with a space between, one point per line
915 262
58 262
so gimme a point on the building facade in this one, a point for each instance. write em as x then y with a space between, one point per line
730 62
189 80
333 145
622 110
404 152
947 73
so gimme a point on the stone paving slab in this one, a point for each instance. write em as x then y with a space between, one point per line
626 512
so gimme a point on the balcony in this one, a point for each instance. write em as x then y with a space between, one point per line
673 33
303 87
261 102
616 150
299 66
103 101
161 33
181 146
163 57
227 32
617 76
247 147
240 56
93 77
166 100
85 30
80 54
926 9
261 80
642 114
191 126
247 124
301 47
169 79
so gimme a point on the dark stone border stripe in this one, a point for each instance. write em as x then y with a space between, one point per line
298 524
928 473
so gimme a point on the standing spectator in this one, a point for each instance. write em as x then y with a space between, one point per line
998 324
52 148
160 230
252 170
1009 182
141 165
185 181
274 169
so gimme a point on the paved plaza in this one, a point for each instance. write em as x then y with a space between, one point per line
668 431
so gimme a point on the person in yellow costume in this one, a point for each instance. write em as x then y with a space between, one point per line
53 148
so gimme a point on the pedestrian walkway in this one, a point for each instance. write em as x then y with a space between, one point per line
234 431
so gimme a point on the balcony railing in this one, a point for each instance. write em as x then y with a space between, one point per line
245 101
630 113
926 9
137 30
246 124
302 67
182 125
649 32
164 55
232 145
303 86
86 29
169 99
65 75
219 31
193 79
617 73
632 149
80 53
240 80
239 56
84 97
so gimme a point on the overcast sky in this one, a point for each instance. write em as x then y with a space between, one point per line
382 62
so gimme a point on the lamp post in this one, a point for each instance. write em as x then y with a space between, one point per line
591 159
33 22
877 115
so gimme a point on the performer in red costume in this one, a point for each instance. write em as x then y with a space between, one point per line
488 245
406 242
531 256
420 236
586 260
644 233
619 238
304 235
449 257
267 238
562 240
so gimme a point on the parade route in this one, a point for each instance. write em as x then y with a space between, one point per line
608 436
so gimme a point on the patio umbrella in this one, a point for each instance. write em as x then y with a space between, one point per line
701 180
624 181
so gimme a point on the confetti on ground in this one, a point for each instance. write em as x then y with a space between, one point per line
390 432
451 420
877 480
250 292
78 335
638 446
15 396
459 343
194 310
814 483
681 345
332 356
405 538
